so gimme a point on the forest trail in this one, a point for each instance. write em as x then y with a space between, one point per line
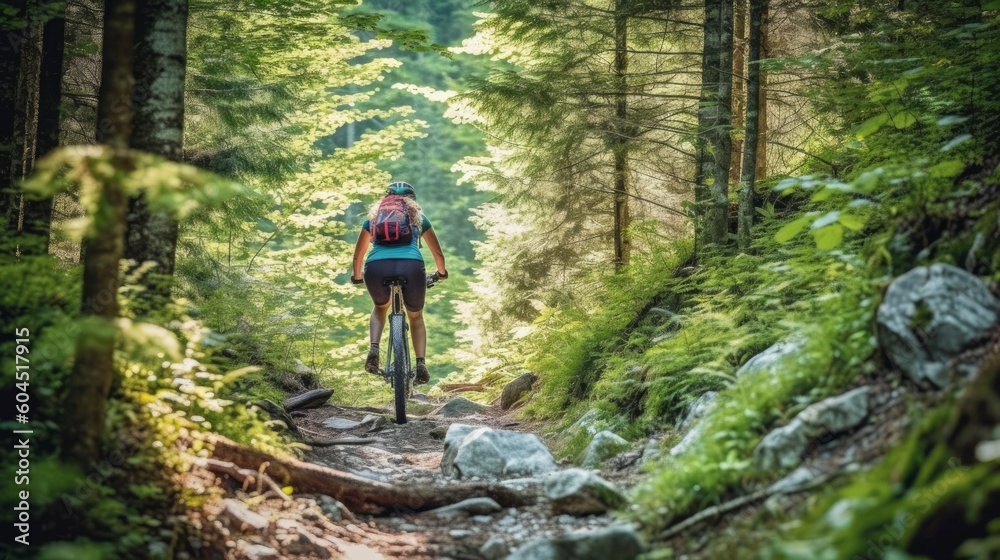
313 526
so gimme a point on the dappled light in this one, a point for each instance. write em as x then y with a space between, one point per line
433 279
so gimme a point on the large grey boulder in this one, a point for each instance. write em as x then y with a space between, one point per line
784 446
691 425
698 410
620 543
458 407
471 451
688 440
929 316
603 446
581 492
768 361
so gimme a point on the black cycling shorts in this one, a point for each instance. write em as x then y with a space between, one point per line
416 281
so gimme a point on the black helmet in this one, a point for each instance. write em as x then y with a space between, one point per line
402 189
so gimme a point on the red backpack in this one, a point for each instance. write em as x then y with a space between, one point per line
391 225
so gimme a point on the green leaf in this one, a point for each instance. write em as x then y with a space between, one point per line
991 5
829 237
265 225
826 219
791 229
851 222
871 125
903 119
947 169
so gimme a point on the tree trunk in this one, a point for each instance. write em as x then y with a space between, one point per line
85 405
22 158
707 110
620 144
38 213
760 172
739 88
750 144
10 55
721 141
160 67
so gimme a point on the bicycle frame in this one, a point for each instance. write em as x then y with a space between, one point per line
397 360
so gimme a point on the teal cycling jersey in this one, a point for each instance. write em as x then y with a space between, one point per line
411 251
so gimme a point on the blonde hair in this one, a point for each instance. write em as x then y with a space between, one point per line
412 208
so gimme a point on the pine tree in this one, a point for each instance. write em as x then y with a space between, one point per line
86 397
14 24
751 143
160 67
36 218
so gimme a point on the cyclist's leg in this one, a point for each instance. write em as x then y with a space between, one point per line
414 294
376 324
375 272
418 333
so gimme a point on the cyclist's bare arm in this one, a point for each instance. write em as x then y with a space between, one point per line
359 253
432 243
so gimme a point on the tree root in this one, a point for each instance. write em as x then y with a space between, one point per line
736 503
360 494
245 476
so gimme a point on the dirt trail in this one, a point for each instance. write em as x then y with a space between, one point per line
400 454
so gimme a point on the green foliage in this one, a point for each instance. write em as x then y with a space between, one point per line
887 510
163 403
570 342
362 107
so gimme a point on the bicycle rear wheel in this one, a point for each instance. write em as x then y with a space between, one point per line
400 365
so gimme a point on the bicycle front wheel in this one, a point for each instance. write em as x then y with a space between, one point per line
400 366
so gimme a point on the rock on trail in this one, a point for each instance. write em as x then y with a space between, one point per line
455 442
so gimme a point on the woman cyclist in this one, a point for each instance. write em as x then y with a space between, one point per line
386 260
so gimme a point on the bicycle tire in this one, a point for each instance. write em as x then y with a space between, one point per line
400 365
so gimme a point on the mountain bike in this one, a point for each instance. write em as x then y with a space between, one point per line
398 372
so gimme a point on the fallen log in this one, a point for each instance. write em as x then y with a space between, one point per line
359 494
310 399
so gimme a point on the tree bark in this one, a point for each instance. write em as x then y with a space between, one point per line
22 159
359 494
739 87
750 145
760 166
37 216
707 111
160 68
85 405
10 55
622 217
721 141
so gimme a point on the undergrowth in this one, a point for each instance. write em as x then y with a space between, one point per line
164 401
